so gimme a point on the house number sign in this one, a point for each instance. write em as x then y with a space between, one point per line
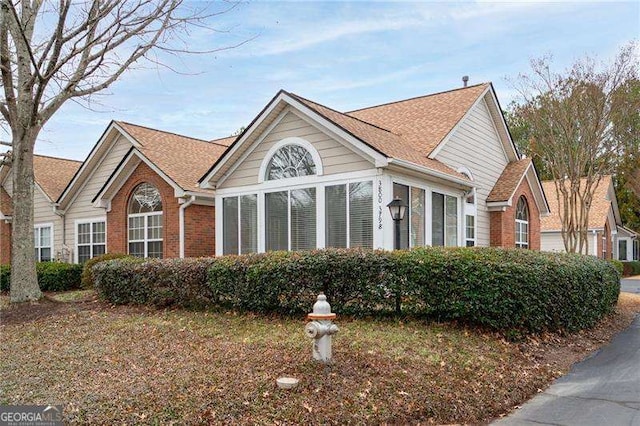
379 204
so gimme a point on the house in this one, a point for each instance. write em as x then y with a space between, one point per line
305 176
608 239
140 185
51 176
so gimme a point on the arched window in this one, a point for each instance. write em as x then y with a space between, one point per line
522 223
145 222
290 161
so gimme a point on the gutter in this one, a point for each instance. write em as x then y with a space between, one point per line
183 206
431 172
62 215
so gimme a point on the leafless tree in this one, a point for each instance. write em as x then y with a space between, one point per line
55 51
571 118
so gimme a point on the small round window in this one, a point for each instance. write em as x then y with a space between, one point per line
290 161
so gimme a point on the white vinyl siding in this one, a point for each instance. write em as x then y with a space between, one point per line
82 207
43 213
336 158
477 146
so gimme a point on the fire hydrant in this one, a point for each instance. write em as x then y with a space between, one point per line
320 329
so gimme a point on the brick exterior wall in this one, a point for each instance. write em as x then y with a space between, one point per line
502 226
117 222
199 220
608 236
5 243
199 228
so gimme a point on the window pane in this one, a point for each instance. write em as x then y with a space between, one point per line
154 249
98 232
470 227
417 217
84 253
451 221
249 223
303 219
84 233
99 250
402 192
276 221
230 225
136 228
45 237
45 254
154 227
361 214
290 161
146 198
437 219
136 249
622 250
336 216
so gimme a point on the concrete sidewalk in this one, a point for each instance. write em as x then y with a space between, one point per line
630 284
601 390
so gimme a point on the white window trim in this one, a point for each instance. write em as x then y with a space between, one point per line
628 243
475 231
290 141
521 244
146 240
37 228
91 221
348 211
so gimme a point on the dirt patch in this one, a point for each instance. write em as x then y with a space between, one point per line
110 364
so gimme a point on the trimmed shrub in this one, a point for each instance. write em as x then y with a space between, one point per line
618 265
169 282
87 274
504 289
501 289
52 276
630 268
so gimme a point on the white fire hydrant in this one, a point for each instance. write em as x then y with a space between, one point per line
320 329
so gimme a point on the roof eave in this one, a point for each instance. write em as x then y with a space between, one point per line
430 172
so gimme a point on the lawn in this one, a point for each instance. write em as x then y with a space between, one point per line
109 364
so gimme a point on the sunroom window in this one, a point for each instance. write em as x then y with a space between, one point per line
349 215
240 216
444 220
290 219
145 223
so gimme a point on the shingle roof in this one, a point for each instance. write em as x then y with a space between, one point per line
6 205
394 144
54 174
508 181
598 212
423 122
183 159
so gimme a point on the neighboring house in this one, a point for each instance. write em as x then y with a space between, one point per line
304 176
51 176
140 185
608 239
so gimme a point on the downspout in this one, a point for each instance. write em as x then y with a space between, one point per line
183 206
62 215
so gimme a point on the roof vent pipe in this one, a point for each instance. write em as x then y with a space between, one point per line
465 80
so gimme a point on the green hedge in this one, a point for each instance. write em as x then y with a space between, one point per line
87 274
630 268
501 289
170 282
52 276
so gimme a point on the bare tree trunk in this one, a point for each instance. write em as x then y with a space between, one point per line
24 282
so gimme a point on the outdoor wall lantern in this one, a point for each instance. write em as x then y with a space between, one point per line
397 208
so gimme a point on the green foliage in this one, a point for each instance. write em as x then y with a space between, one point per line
618 265
511 290
169 282
631 268
52 276
87 275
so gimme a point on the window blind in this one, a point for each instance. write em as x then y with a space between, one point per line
303 219
361 214
230 222
276 220
336 216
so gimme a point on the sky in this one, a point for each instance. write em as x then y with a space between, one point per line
345 55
